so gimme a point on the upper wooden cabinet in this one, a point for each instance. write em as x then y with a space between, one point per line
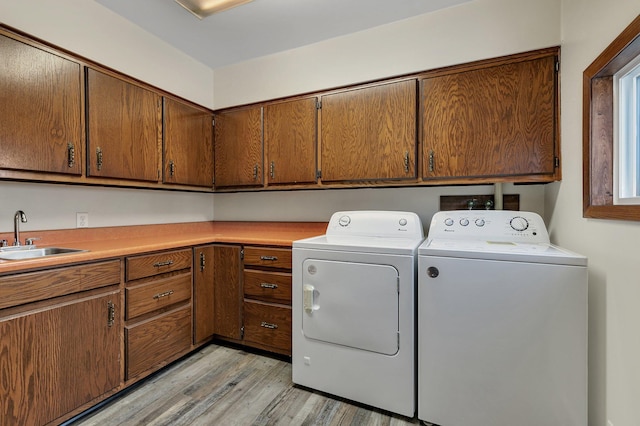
238 147
492 121
290 131
188 144
40 110
369 133
124 128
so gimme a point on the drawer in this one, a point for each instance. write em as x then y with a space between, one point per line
268 256
268 286
158 341
33 286
157 294
268 325
149 265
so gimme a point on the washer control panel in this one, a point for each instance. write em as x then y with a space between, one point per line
489 225
374 223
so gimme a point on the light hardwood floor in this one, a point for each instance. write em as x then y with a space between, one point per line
221 385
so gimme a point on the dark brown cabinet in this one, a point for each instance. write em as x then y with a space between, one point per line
40 110
238 150
491 121
369 133
290 130
124 128
188 144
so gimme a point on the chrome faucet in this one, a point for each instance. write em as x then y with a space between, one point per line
19 217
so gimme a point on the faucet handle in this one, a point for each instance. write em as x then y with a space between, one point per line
29 241
3 243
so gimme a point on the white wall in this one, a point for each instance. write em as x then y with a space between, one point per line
93 31
588 26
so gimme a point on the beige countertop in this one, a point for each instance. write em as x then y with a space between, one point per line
112 242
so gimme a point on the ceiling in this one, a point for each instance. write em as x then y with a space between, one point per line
263 27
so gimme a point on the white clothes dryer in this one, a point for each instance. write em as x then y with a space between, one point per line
354 309
502 320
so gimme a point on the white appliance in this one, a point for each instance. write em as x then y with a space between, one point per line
354 309
502 323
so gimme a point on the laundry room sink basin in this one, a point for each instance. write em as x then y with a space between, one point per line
34 253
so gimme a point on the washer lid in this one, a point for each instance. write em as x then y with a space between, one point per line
402 246
501 250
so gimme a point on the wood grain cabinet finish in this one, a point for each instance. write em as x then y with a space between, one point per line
267 298
227 296
40 110
124 128
290 134
203 293
492 121
62 350
238 150
158 296
369 133
188 144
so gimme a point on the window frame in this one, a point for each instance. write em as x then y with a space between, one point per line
599 127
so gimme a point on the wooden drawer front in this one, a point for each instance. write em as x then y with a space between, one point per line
268 325
268 286
155 342
266 256
154 295
158 263
32 286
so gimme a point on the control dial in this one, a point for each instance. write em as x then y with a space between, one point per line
519 223
344 220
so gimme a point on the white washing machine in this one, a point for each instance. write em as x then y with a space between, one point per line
354 309
502 323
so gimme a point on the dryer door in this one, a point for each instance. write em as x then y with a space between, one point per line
351 304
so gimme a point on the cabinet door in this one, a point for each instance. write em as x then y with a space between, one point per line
369 133
238 147
54 360
227 293
497 121
188 144
203 293
40 110
290 141
124 127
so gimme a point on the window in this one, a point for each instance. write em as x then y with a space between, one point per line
618 64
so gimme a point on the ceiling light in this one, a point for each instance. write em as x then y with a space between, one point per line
204 8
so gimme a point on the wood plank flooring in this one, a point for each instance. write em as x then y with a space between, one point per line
221 385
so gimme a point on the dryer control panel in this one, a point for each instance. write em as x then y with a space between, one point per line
373 223
489 225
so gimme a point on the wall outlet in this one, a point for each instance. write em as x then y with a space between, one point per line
82 220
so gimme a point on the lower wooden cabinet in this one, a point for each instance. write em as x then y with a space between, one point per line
267 326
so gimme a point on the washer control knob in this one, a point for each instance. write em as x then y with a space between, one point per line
480 222
519 223
432 272
344 220
448 221
464 221
403 222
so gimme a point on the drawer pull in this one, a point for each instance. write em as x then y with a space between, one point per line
268 325
268 285
165 263
161 295
268 257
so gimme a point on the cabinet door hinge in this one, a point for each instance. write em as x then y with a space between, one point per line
557 65
319 174
241 254
241 332
556 161
213 122
318 104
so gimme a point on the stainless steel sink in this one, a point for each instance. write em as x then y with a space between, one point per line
26 252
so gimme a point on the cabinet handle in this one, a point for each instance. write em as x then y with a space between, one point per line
431 155
406 161
255 172
164 294
201 261
272 258
268 285
71 154
165 263
268 325
272 171
111 313
172 168
99 158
